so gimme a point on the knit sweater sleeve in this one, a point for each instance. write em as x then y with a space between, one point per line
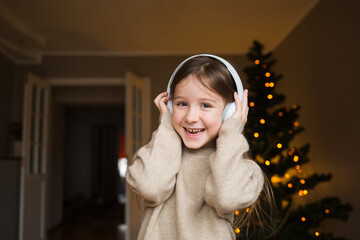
152 174
235 182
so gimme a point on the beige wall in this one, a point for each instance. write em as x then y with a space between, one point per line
320 64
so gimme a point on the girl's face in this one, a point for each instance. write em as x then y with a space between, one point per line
197 113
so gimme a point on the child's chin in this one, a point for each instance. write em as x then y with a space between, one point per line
193 146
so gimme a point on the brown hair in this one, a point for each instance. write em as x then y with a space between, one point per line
211 73
260 217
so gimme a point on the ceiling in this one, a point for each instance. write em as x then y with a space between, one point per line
32 29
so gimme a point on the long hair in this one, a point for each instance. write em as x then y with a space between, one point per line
259 218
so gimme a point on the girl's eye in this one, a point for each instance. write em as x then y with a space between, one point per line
205 105
181 104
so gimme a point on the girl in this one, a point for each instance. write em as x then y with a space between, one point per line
194 173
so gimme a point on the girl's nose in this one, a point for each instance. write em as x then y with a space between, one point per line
192 115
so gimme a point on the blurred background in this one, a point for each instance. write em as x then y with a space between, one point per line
83 51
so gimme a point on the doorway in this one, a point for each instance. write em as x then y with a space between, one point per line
84 176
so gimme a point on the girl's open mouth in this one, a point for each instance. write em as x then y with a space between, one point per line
193 131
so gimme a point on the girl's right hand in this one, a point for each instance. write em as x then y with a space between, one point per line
161 102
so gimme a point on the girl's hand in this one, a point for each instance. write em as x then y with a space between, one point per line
161 101
242 107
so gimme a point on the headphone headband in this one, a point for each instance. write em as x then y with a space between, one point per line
231 69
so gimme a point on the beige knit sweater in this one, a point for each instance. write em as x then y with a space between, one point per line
192 194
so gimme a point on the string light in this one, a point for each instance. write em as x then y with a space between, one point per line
301 193
247 210
271 84
270 96
305 192
237 212
280 114
252 104
302 181
317 234
327 211
267 84
299 170
294 106
257 61
290 185
279 145
296 124
287 175
303 219
256 135
267 162
267 74
262 121
296 158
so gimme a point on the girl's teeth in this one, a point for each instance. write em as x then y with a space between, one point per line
194 130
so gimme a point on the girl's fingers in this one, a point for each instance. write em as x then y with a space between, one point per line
161 100
242 109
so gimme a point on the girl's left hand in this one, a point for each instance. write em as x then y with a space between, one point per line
242 107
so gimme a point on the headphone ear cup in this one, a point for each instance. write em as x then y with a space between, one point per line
169 104
228 111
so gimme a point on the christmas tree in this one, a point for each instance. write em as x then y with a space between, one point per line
270 130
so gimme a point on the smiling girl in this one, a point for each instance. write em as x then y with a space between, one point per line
194 172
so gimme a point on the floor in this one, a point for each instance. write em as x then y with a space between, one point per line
106 223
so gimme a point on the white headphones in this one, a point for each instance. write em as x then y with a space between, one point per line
230 107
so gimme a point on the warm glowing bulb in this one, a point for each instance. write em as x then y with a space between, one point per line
252 104
262 121
237 212
327 211
302 181
301 193
297 166
294 106
256 135
269 96
299 170
257 61
247 210
290 185
296 158
287 175
267 84
303 219
279 145
296 124
267 74
317 234
267 162
280 114
305 192
271 84
237 230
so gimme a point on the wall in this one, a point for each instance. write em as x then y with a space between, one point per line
6 75
157 68
319 61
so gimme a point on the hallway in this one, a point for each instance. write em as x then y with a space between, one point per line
105 223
